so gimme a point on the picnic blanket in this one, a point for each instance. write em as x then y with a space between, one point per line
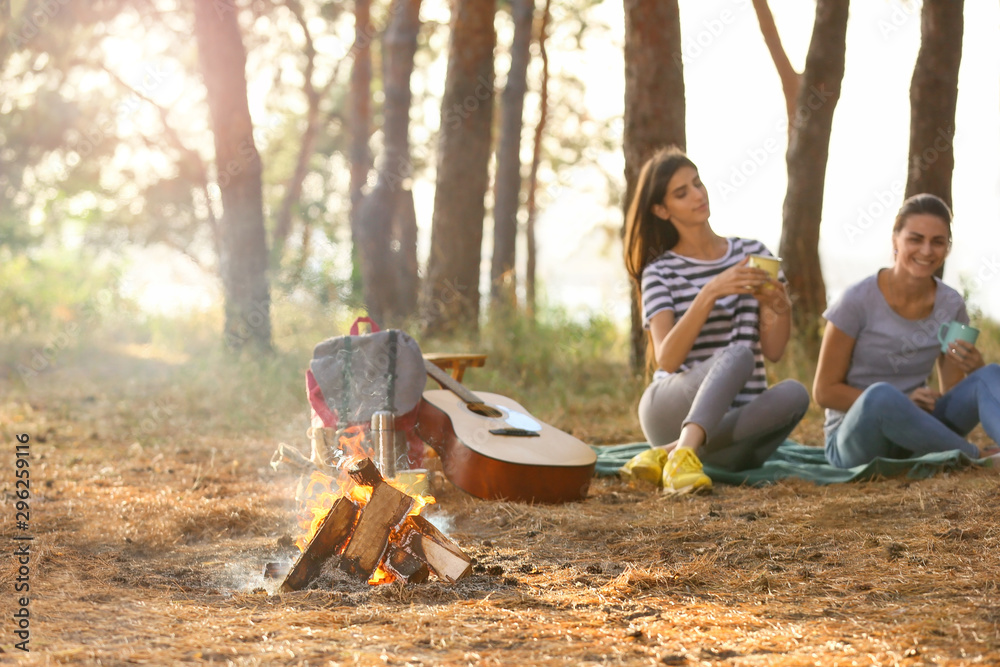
795 460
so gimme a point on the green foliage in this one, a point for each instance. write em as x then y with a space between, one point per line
52 290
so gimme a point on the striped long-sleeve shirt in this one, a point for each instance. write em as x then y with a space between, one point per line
672 281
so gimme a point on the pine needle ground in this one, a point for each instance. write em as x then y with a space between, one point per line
154 511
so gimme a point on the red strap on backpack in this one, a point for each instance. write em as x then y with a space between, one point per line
356 330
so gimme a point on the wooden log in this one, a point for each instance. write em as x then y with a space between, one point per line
365 473
404 565
386 510
329 540
441 554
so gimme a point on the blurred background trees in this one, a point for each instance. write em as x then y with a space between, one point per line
281 148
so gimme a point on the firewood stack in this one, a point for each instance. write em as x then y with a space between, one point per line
379 535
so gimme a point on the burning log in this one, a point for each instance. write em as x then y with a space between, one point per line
380 540
365 473
333 534
404 565
433 547
386 509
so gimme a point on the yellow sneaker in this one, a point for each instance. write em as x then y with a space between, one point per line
647 466
683 473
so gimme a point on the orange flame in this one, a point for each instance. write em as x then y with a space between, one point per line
381 576
322 491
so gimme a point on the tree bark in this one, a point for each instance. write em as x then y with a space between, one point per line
359 127
654 106
808 150
451 294
405 268
933 98
399 48
536 160
507 187
243 241
385 229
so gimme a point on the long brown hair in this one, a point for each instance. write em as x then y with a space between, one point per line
646 235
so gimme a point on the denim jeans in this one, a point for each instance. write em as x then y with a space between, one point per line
884 422
737 438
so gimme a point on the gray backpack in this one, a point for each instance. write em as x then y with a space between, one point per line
351 377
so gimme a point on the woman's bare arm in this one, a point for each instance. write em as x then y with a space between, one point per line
672 341
775 319
830 388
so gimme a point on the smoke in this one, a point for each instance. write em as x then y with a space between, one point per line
245 576
441 520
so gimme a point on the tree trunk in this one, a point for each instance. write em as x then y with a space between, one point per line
507 187
536 159
399 48
385 228
403 231
451 294
933 98
654 106
359 126
808 150
243 249
371 243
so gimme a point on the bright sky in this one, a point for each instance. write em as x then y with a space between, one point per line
736 134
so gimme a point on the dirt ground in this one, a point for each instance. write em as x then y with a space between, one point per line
151 551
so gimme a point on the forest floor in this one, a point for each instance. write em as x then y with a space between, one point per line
152 521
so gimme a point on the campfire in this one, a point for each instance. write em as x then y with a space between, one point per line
372 527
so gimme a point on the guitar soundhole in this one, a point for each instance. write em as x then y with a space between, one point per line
485 410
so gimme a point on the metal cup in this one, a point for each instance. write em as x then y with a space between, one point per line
383 435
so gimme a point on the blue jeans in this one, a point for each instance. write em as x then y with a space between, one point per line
884 422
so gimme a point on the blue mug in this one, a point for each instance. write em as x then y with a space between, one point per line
952 331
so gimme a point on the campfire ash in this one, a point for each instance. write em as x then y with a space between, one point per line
373 527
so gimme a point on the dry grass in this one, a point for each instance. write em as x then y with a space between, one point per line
151 533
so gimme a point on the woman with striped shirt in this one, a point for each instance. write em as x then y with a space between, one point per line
712 321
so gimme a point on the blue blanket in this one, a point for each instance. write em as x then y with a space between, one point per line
794 460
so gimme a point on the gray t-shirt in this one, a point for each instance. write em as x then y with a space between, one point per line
889 347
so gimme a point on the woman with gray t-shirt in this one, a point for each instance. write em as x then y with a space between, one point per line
880 344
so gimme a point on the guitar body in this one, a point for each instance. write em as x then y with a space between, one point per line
533 462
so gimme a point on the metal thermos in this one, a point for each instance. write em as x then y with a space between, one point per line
383 435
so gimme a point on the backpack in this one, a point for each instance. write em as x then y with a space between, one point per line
352 377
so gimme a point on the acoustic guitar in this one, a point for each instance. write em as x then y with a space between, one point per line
491 448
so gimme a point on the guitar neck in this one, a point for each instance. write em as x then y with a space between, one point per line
450 383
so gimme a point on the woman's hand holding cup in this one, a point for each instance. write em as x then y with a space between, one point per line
965 355
958 343
738 279
772 265
772 292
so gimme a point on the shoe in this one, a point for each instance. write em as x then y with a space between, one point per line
646 465
683 473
